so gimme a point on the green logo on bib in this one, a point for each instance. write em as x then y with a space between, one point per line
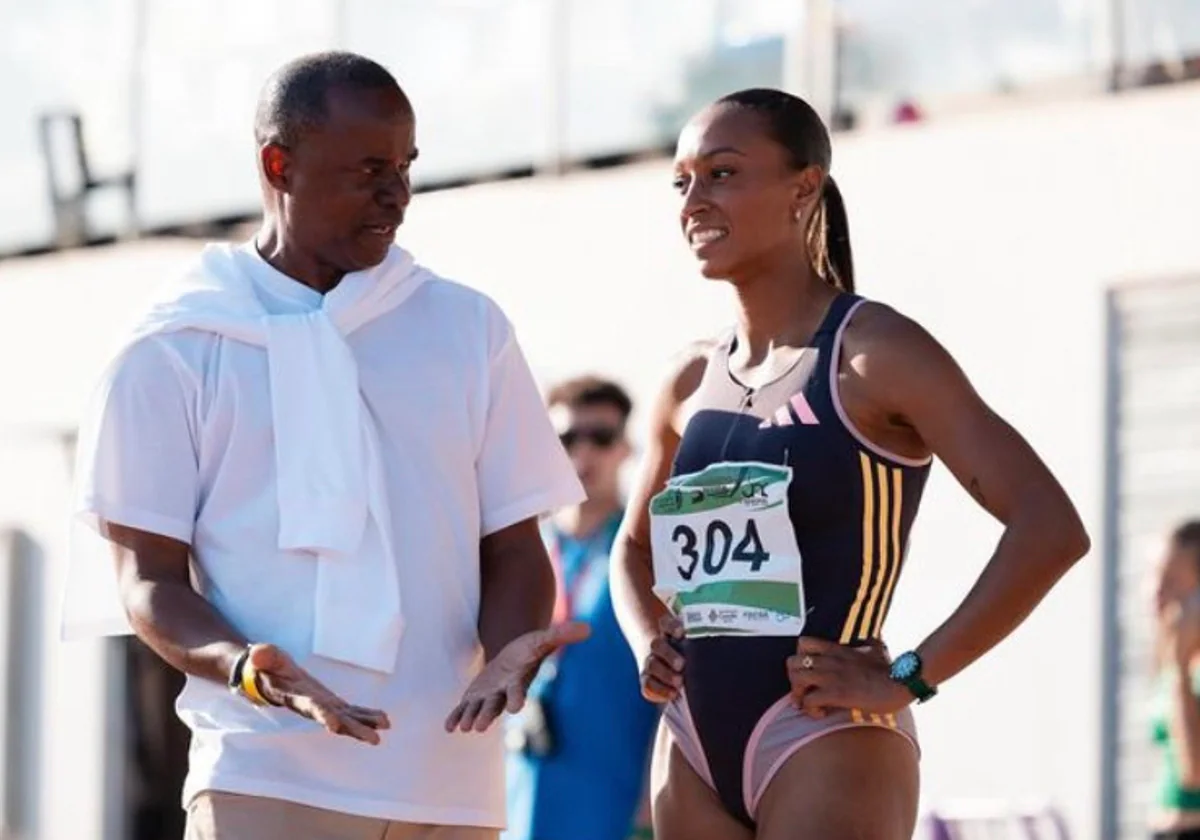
717 487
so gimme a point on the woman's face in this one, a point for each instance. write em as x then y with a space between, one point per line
1179 575
740 195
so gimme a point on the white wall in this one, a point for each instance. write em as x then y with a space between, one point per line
999 232
71 719
56 313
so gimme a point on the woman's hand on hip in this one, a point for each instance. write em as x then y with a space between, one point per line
826 675
661 674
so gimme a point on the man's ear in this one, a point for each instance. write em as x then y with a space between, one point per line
276 161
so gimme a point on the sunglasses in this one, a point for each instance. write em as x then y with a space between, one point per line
600 437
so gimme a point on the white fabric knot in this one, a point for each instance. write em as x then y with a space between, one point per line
330 484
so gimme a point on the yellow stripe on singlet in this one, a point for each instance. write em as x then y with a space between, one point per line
857 716
868 552
897 551
864 630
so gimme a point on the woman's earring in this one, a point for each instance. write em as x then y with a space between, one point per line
797 214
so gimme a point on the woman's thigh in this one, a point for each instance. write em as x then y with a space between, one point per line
682 805
853 784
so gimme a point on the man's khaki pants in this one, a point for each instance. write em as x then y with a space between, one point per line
229 816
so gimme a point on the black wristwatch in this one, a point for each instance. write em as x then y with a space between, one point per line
906 670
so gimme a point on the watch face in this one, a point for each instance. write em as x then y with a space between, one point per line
905 667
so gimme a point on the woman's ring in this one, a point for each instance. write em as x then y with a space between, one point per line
806 663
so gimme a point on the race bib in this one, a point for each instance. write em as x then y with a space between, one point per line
725 554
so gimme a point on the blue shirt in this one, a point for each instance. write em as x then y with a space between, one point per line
590 788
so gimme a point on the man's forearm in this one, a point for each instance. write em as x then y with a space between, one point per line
183 628
517 586
164 610
512 605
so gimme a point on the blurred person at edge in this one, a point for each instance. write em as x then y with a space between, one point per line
1176 714
579 751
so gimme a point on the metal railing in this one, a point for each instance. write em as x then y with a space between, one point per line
550 84
995 823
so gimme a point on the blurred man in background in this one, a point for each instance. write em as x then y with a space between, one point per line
578 752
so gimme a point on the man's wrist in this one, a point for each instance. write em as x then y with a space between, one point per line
244 680
494 643
220 657
234 671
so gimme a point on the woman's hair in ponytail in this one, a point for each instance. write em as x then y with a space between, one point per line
837 259
794 124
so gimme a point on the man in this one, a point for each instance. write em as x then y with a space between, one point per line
355 455
580 748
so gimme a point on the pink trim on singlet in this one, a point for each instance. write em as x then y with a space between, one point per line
750 791
779 733
835 395
679 720
795 747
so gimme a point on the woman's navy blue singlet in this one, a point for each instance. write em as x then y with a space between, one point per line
851 506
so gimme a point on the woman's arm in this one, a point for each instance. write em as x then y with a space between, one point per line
906 377
638 609
908 373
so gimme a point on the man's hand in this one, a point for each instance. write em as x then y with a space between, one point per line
502 684
284 683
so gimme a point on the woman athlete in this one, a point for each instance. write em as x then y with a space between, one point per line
765 537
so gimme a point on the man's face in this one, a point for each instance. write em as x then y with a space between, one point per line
347 181
594 437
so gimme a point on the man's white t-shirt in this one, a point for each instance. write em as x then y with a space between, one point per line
185 450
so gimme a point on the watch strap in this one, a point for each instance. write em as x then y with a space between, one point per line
921 690
243 680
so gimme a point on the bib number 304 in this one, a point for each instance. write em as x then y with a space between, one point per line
716 546
724 550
